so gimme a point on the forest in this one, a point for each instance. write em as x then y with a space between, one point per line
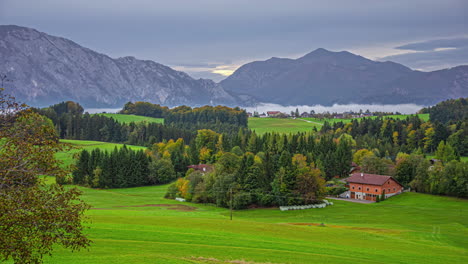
269 169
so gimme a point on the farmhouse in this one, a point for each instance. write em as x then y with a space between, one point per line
363 186
273 113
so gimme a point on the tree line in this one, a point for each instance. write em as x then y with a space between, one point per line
221 119
121 168
71 123
389 136
449 111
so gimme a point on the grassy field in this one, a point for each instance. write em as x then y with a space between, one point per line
289 125
281 125
133 118
78 145
424 117
137 225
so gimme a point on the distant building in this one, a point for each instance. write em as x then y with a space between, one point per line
363 186
201 167
273 113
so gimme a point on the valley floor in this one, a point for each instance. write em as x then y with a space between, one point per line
138 225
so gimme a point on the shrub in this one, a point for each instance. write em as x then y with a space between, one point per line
241 200
171 191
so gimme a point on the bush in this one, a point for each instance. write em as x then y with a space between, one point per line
377 199
241 200
171 191
266 200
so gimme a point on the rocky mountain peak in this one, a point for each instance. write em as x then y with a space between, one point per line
48 69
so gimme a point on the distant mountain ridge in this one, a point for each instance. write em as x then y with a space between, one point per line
326 77
47 69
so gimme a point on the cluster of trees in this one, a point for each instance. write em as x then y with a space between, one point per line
162 163
449 111
71 123
267 170
218 118
332 155
390 136
120 168
244 180
144 109
444 175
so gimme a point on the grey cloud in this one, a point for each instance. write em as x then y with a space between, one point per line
198 65
206 75
432 60
434 44
204 32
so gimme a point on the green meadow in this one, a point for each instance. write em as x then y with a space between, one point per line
289 125
424 117
78 145
280 125
137 225
133 118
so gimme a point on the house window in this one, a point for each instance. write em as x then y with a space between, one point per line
376 190
359 188
394 189
367 189
353 187
388 189
388 182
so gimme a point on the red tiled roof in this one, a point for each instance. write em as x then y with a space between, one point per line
365 178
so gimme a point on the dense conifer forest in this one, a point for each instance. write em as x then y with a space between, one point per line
270 169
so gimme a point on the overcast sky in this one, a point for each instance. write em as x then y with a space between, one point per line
211 38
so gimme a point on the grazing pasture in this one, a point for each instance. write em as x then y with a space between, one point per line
78 145
137 225
289 125
280 125
133 118
424 117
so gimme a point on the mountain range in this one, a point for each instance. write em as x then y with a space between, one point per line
326 77
45 69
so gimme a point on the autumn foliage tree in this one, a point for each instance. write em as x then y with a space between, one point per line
34 216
